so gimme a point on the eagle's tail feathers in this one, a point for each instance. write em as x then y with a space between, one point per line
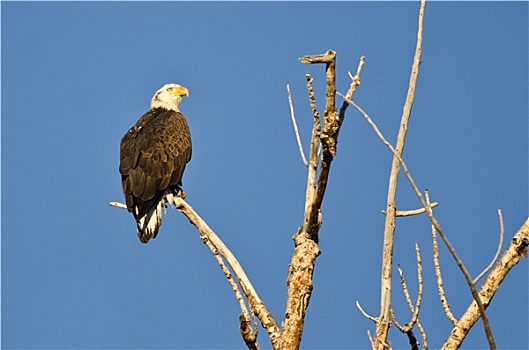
149 224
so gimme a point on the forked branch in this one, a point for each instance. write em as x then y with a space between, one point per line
306 250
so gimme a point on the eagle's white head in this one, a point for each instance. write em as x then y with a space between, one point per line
169 97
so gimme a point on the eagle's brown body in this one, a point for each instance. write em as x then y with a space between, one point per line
153 156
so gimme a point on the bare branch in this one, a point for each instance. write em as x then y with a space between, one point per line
217 247
498 251
420 287
326 58
438 274
423 335
414 309
296 131
220 251
314 158
255 302
306 250
118 205
312 99
391 207
370 340
402 213
435 223
355 82
249 333
249 337
366 315
413 341
328 137
516 250
407 329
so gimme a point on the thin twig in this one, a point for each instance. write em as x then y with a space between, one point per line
355 82
498 251
118 205
437 266
403 213
370 340
395 321
462 267
296 131
366 315
312 99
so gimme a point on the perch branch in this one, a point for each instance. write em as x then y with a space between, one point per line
511 256
296 131
498 251
256 304
118 205
217 247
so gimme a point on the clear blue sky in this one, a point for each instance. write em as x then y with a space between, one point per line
76 76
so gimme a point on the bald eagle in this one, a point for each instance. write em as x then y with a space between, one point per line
153 156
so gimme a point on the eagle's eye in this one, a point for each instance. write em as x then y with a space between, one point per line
170 89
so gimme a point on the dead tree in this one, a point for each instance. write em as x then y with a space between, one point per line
287 334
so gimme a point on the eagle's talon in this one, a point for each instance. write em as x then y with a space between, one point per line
180 193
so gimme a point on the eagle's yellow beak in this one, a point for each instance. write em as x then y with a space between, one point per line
180 91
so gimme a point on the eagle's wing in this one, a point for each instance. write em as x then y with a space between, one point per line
153 155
